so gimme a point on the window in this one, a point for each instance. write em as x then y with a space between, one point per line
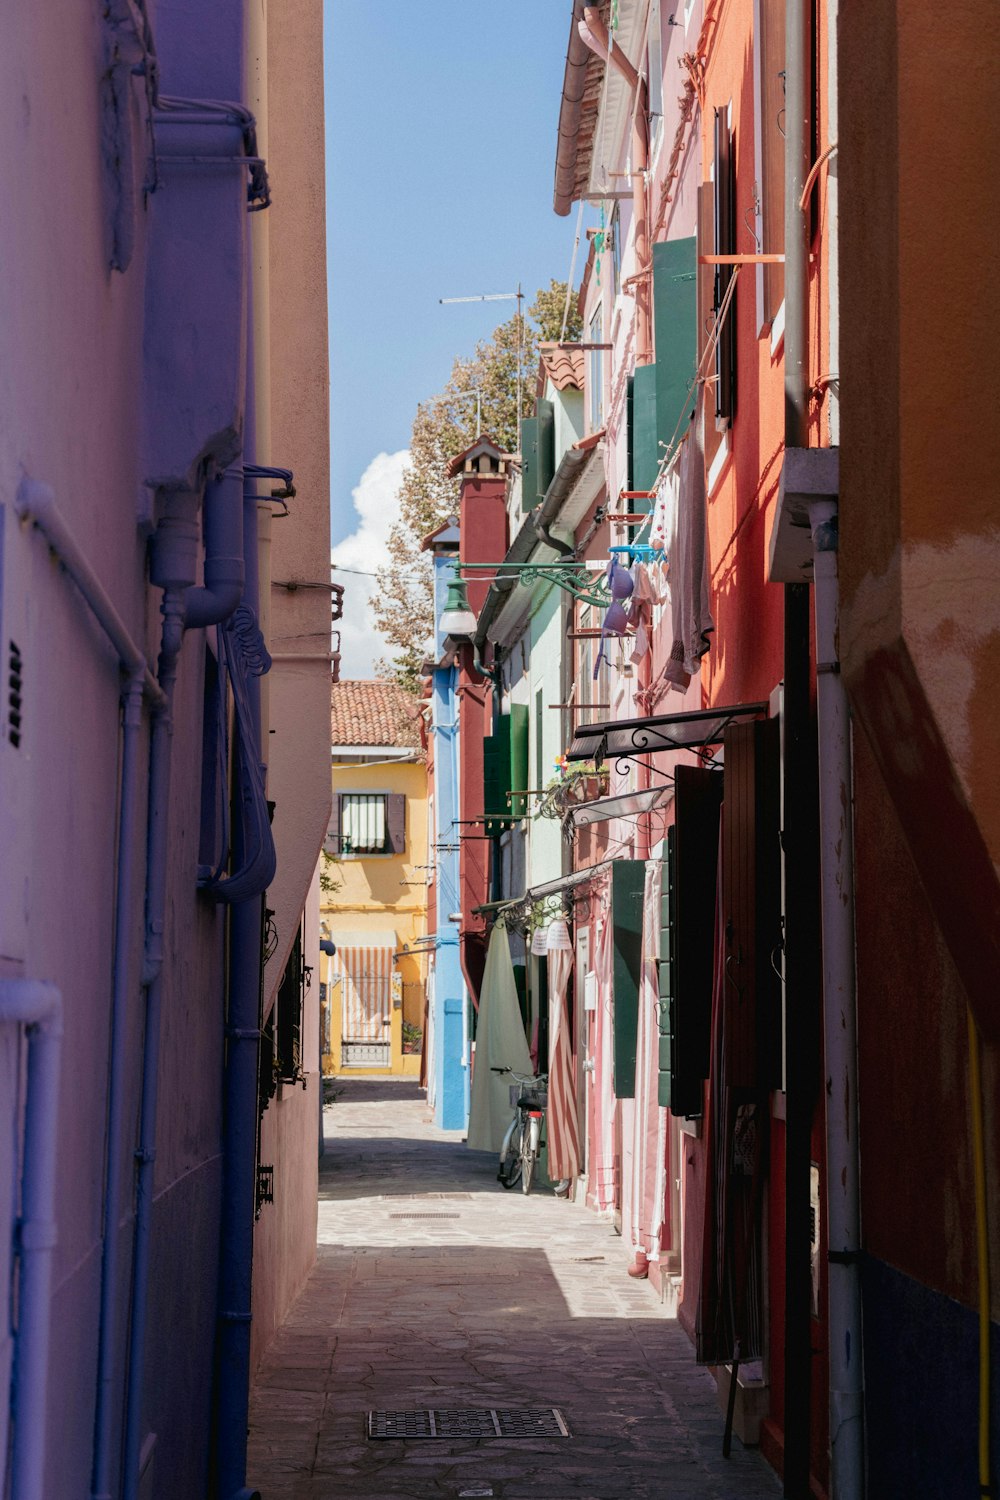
368 823
540 777
288 1016
616 248
595 374
725 244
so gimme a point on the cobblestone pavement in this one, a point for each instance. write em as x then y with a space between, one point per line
434 1288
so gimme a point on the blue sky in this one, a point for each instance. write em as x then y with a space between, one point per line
440 152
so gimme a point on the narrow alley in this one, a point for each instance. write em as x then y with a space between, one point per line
435 1289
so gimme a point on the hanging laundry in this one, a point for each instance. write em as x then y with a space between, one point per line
640 614
685 522
615 622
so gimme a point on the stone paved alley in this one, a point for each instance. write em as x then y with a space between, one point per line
434 1288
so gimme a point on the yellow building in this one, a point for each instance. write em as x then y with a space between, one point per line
374 883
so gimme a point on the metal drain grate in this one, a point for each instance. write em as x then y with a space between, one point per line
425 1216
469 1422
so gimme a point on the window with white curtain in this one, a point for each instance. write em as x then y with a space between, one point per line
363 823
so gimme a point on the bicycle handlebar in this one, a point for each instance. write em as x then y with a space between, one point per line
522 1078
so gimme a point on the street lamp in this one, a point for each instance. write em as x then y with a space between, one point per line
457 619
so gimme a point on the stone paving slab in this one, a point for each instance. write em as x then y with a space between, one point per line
514 1301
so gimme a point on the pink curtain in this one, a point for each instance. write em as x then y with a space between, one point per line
644 1166
602 1117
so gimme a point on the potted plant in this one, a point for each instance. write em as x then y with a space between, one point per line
412 1037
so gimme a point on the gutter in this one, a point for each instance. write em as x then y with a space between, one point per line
573 91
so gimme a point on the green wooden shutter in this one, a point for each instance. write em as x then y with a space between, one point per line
627 883
645 436
518 758
545 416
538 454
491 785
675 309
529 463
687 939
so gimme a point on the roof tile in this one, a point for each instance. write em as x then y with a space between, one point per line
372 712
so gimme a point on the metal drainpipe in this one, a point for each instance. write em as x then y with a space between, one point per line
840 1022
799 796
240 1087
222 527
37 1006
126 925
157 843
36 502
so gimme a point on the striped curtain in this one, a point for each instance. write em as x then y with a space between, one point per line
366 991
561 1118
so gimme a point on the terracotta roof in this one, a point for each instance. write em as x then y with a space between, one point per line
366 712
580 105
564 367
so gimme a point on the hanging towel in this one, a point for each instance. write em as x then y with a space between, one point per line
687 546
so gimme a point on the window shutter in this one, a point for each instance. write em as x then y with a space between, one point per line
751 884
645 453
675 321
496 777
490 792
288 1022
504 767
688 939
518 757
545 415
529 463
627 884
725 244
332 841
396 822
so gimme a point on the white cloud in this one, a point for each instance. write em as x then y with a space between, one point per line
366 548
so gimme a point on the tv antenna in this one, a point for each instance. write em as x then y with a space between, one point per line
517 297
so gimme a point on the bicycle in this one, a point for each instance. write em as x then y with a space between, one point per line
522 1142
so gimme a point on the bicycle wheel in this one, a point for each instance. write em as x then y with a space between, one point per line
529 1153
509 1173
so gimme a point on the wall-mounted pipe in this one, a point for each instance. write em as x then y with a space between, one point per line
157 843
222 532
594 34
840 1022
37 1006
799 799
35 502
240 1086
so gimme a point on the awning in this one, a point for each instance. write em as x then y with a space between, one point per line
382 937
622 806
566 882
617 739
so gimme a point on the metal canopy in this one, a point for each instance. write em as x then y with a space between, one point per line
623 806
618 739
